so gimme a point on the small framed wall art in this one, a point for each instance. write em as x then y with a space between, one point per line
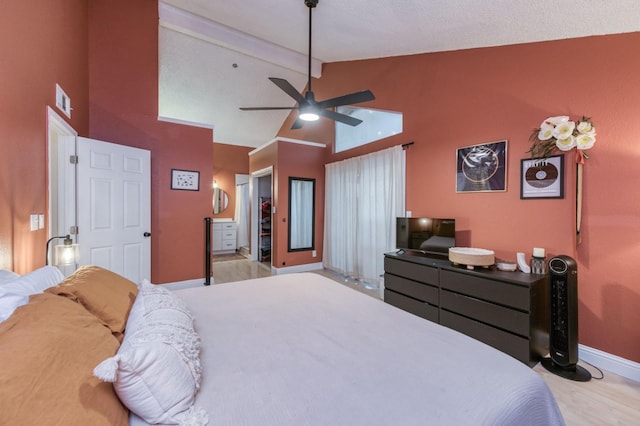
185 180
482 168
542 177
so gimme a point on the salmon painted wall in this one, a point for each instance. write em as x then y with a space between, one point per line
36 55
461 98
303 161
229 160
123 69
291 160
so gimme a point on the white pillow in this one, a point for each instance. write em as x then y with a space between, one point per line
136 314
9 302
156 372
152 299
16 292
33 282
6 276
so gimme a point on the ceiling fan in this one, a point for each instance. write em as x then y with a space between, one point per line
308 108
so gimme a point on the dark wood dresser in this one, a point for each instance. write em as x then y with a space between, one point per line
507 310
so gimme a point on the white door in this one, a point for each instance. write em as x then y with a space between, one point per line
114 207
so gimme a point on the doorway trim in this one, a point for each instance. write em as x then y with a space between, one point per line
255 211
61 176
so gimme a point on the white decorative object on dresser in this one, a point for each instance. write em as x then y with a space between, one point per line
224 236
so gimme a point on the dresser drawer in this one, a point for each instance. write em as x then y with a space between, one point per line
499 316
415 272
516 346
487 289
229 226
414 289
229 235
228 244
413 306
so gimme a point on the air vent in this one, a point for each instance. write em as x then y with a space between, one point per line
63 102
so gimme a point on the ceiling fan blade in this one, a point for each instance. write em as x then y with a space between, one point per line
307 104
288 89
352 98
297 124
343 118
265 108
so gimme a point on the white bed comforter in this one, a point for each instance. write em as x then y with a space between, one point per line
301 349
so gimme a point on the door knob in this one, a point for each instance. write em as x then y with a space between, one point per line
147 234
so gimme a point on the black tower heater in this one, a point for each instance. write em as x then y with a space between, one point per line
563 332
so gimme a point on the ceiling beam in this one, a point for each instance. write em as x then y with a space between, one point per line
210 31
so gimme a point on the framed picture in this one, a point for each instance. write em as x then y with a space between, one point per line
542 177
185 180
482 168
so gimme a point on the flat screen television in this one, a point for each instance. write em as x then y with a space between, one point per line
427 236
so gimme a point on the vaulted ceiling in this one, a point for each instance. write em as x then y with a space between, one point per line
217 55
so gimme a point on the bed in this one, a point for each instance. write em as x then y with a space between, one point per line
301 349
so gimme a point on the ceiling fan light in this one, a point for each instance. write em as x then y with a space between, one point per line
308 116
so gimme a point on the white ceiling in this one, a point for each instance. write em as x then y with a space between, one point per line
201 40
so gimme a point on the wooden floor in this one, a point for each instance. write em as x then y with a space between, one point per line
613 400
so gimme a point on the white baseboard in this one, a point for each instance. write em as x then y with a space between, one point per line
198 282
606 361
297 268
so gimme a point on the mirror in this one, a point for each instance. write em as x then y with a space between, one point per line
220 200
302 194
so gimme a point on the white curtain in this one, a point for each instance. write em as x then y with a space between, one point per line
340 216
364 195
242 215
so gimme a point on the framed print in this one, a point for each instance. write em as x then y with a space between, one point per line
185 180
482 168
542 177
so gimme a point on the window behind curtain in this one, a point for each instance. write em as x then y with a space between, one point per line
376 125
364 195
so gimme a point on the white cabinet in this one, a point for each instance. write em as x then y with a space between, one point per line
224 237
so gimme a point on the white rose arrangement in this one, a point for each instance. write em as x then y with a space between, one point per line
561 133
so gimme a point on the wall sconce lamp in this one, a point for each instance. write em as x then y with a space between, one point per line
66 253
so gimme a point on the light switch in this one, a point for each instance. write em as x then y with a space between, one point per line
41 221
34 222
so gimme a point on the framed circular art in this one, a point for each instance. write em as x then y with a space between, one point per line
482 168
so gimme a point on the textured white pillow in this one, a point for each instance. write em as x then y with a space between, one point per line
136 314
156 372
153 301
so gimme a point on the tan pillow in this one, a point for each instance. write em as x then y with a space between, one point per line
105 294
48 349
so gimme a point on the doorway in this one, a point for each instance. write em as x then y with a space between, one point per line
119 208
261 189
243 214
